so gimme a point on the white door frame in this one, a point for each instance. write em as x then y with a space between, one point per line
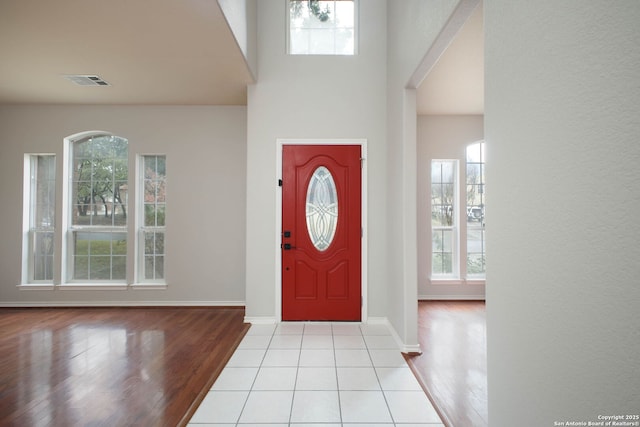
280 143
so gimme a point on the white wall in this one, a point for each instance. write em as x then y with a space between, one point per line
563 290
412 29
241 17
311 97
443 137
206 151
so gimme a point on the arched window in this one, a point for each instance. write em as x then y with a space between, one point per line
476 193
103 236
97 208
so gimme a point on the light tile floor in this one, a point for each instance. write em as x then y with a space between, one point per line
316 375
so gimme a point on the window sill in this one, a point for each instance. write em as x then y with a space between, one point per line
450 282
149 286
36 287
93 287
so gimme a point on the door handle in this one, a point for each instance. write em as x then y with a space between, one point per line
287 246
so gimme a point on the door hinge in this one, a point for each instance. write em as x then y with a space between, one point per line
279 183
362 159
361 301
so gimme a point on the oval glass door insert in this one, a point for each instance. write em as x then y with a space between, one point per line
322 208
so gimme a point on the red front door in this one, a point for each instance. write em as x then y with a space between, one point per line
321 232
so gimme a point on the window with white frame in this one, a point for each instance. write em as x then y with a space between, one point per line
95 236
322 27
40 204
475 210
444 218
152 209
97 211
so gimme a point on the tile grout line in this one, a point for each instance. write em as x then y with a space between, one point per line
244 405
335 369
375 371
295 382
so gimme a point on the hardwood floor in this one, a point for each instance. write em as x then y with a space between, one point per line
111 366
453 366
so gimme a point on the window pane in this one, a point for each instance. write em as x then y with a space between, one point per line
100 255
442 250
475 251
119 268
44 192
322 208
153 216
99 181
322 27
41 216
443 217
154 255
475 210
100 268
43 255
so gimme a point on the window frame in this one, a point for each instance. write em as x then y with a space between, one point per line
141 228
63 229
454 228
356 25
31 185
474 226
68 229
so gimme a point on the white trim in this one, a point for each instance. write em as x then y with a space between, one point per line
123 304
93 287
451 297
149 286
377 321
404 348
26 216
280 142
453 282
35 287
260 320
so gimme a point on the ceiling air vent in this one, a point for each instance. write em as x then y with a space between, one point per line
86 80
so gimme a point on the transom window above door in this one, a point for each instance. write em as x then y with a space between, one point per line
321 27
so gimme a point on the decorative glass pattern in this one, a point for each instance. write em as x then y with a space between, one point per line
322 208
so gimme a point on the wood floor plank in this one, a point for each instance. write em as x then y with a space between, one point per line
111 366
453 365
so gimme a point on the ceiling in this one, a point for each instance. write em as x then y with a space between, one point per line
172 52
150 52
455 85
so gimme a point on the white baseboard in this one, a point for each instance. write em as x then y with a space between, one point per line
451 297
404 348
378 321
260 320
54 304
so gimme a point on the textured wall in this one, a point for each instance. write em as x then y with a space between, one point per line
562 126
